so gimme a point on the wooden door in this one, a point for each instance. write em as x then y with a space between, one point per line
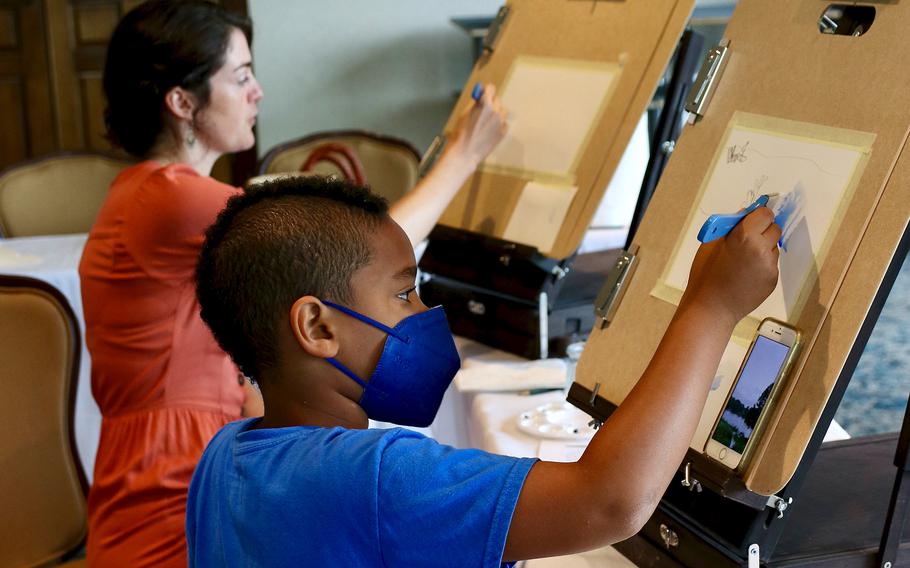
26 117
78 32
51 62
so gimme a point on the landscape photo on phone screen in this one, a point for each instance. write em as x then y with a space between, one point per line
750 394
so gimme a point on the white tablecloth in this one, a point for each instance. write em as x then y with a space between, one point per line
489 421
491 418
55 260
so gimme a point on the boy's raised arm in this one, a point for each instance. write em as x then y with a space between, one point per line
613 489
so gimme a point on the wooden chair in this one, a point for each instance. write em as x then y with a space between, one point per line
389 164
43 512
56 194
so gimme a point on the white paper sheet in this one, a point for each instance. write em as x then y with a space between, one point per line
553 106
757 160
538 216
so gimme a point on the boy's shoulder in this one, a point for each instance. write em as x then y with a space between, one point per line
388 477
240 438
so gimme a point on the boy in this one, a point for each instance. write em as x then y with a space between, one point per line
309 286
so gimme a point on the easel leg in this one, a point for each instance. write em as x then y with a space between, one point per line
900 498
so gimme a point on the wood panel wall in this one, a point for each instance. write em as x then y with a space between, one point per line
51 62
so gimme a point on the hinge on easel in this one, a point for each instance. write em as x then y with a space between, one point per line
614 289
707 80
489 40
779 504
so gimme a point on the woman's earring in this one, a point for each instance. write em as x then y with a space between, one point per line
191 138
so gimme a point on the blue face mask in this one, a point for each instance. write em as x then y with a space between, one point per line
418 362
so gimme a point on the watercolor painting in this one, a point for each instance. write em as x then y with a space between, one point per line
813 171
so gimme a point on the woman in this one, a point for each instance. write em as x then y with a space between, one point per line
181 93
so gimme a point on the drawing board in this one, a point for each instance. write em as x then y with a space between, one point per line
803 94
812 169
577 77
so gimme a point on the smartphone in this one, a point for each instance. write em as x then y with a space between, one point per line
754 392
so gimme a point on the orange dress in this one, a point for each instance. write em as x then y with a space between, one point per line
163 385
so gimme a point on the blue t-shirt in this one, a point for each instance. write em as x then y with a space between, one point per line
307 496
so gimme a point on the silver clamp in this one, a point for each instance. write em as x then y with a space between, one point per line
706 82
595 422
495 27
560 272
780 505
431 155
690 482
615 287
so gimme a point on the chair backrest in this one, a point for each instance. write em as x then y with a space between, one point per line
389 164
54 195
43 513
339 155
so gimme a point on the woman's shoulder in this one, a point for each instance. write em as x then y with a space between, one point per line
175 187
152 174
167 203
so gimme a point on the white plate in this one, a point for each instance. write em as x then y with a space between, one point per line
556 420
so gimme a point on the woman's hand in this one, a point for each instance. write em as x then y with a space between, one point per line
479 128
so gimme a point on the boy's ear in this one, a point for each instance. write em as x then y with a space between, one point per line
314 327
181 103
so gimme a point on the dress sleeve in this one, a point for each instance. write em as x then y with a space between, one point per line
454 506
164 226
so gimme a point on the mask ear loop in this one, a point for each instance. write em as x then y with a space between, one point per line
337 364
367 320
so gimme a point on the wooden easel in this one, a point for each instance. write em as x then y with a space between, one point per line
779 65
510 294
641 36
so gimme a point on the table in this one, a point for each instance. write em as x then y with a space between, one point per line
488 421
55 260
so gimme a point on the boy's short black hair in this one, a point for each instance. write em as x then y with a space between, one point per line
276 242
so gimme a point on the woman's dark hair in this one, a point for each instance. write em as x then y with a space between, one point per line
159 45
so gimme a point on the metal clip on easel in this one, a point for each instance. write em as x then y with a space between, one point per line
614 289
690 482
707 80
489 44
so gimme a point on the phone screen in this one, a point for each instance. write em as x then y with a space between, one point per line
751 393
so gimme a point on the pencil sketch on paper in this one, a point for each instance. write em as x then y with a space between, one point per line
554 105
813 170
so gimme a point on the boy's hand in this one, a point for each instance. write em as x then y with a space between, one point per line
480 128
732 276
